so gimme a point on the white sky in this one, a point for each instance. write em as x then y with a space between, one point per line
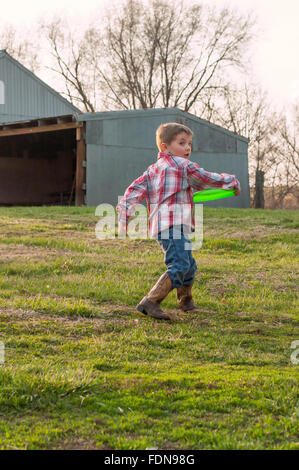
275 58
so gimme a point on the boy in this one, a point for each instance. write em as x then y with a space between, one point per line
167 186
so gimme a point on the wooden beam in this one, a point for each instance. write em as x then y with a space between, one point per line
37 129
80 167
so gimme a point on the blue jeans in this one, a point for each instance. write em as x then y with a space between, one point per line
181 266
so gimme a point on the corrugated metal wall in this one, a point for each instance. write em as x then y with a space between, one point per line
121 145
23 96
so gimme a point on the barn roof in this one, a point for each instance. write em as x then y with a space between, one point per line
4 55
142 113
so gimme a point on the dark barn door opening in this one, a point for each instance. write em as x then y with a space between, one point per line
38 164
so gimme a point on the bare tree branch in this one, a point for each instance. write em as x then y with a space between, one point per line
19 46
159 62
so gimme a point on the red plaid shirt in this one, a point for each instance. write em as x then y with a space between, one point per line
167 186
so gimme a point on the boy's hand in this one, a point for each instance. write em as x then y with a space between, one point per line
237 192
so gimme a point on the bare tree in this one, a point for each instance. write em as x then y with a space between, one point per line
162 53
70 53
289 133
20 47
148 53
285 162
247 111
273 138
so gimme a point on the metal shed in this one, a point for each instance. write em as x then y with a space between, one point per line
120 145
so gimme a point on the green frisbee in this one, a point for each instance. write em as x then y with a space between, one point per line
212 194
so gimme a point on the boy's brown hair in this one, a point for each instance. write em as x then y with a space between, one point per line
167 132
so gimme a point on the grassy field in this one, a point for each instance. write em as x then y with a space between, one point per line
84 370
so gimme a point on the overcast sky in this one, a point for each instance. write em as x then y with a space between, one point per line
276 63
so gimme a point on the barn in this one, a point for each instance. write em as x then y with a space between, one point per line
51 153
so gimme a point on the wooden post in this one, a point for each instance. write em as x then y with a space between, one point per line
80 166
259 201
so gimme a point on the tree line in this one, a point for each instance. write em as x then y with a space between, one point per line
142 54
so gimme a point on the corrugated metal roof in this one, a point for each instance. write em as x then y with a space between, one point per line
25 96
143 113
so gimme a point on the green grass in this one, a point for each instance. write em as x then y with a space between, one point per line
84 370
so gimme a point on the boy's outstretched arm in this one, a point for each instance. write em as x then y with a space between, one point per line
134 194
199 178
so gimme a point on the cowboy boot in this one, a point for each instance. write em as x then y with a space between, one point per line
184 296
150 304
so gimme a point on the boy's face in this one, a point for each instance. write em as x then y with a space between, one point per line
180 146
